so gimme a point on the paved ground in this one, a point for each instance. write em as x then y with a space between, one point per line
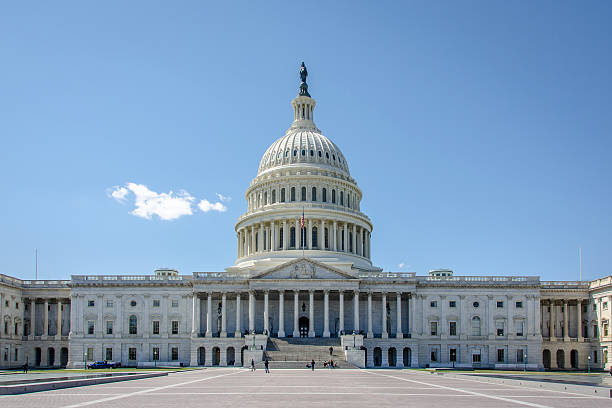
230 387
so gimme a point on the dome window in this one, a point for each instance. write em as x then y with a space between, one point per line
287 153
311 152
303 152
334 156
294 153
326 155
319 153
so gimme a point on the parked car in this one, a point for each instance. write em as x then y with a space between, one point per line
103 364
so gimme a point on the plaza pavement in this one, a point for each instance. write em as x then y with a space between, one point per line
232 387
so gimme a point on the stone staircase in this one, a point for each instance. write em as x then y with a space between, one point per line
296 352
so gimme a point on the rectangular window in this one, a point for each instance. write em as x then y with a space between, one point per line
594 307
16 305
475 358
452 303
175 324
91 303
109 327
17 354
109 354
519 328
174 353
174 303
132 353
434 328
6 354
520 356
155 326
500 327
109 303
605 305
90 327
605 329
453 355
155 353
500 355
433 303
595 331
519 305
90 353
434 355
452 329
155 302
500 304
595 356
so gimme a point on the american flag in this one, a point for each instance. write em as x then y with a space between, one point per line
302 219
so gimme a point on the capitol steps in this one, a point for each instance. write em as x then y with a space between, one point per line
296 352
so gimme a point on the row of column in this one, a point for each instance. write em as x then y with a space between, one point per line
281 314
566 325
276 236
45 332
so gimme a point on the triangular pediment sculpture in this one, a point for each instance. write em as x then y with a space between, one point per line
303 268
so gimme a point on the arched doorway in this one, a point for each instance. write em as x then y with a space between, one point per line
242 355
201 356
574 359
303 325
546 358
37 356
64 356
377 356
230 356
407 356
50 356
392 356
560 359
216 356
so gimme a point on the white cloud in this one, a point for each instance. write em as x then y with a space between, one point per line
119 193
223 198
207 206
401 265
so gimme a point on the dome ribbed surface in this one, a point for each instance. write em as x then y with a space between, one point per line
303 147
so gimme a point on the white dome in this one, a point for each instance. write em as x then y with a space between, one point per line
303 147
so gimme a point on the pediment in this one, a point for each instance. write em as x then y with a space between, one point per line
303 268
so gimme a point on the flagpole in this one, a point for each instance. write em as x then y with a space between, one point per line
303 232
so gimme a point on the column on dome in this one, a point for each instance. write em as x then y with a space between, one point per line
296 294
370 334
261 240
253 240
345 235
311 331
309 243
273 236
281 313
356 311
237 244
354 240
359 241
341 313
238 332
223 315
334 237
399 332
321 237
285 235
298 234
385 334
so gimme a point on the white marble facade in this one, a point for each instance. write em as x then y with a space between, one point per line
315 280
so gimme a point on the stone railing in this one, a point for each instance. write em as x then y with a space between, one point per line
527 280
33 283
387 275
125 278
306 205
565 284
597 283
221 276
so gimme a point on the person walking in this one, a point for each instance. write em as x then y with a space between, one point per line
266 366
252 365
331 350
312 364
25 368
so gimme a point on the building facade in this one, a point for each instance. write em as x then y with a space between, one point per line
304 269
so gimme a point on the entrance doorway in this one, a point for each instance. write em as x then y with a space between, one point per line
303 325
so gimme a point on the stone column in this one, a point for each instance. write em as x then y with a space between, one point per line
273 236
209 332
309 240
334 237
296 311
46 321
285 235
238 331
260 241
384 333
552 320
579 320
253 240
399 333
58 335
565 321
322 238
311 331
281 313
411 315
33 319
326 313
345 234
266 326
370 333
223 315
251 312
341 312
194 316
298 234
354 247
356 311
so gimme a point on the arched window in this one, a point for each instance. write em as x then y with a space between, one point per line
324 195
311 152
273 196
475 326
303 193
333 196
133 325
313 195
282 198
315 240
294 153
292 237
348 200
342 198
303 152
292 193
326 239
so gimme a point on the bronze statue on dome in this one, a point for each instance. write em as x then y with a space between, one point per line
304 85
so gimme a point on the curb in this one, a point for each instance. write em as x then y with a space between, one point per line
57 385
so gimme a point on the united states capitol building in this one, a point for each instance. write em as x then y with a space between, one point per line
304 281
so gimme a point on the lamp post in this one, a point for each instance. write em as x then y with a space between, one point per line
85 360
525 360
589 364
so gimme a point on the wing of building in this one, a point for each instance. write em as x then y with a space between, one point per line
304 287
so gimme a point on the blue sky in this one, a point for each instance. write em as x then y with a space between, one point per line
479 132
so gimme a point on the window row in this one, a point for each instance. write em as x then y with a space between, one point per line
477 328
294 194
133 353
133 303
453 303
132 326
